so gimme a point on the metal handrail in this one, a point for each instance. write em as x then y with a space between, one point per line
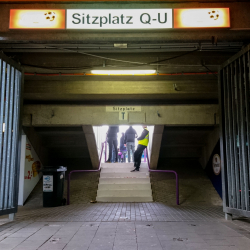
167 171
78 171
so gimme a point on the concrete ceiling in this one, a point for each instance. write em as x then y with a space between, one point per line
184 77
47 55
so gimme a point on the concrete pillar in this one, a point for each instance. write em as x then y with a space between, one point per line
12 216
92 147
156 145
228 216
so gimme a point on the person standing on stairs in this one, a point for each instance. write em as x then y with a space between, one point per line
142 144
123 148
120 155
112 141
129 142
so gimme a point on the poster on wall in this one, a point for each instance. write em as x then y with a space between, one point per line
29 170
216 164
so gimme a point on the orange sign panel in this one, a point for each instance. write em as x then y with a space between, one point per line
202 18
37 19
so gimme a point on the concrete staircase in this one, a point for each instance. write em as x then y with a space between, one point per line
118 184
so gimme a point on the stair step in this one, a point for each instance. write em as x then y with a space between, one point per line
107 165
128 186
124 199
124 193
118 184
124 175
122 165
122 170
124 180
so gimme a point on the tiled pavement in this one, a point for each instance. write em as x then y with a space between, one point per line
122 212
124 226
197 224
30 235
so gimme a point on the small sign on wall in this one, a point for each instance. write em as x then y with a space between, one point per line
216 164
123 111
123 116
30 166
123 108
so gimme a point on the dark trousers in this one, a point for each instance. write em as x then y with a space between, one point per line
137 155
119 158
113 142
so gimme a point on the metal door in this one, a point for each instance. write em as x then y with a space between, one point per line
10 103
234 81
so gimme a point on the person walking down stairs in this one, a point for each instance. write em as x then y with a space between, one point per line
142 144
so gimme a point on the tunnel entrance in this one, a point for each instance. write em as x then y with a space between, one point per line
185 149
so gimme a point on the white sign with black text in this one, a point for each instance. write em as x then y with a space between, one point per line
123 108
48 183
119 19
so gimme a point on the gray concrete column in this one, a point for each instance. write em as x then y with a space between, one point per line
156 145
12 216
228 216
92 147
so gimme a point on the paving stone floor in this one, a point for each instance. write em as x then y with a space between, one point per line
136 235
197 224
154 211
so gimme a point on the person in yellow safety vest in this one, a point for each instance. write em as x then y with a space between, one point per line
142 144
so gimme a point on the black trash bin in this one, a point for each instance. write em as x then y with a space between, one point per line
53 186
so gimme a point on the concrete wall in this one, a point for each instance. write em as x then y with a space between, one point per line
87 116
100 138
61 146
37 144
131 89
210 143
92 145
184 142
77 115
156 133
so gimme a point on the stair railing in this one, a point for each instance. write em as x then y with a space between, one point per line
166 171
79 171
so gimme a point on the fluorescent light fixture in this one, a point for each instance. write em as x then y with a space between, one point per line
3 127
123 72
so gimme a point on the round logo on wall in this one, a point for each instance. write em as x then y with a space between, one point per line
216 164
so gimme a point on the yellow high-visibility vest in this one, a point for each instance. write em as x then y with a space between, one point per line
144 141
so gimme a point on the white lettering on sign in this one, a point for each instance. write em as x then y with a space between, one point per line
119 19
123 108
